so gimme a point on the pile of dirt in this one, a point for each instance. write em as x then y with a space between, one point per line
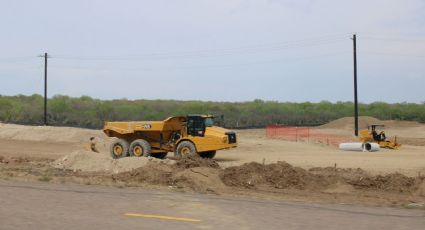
200 179
87 161
395 182
250 178
204 175
346 173
348 123
193 162
282 175
152 173
48 133
182 175
364 121
278 175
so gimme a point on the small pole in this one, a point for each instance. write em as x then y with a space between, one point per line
356 109
308 135
296 134
45 89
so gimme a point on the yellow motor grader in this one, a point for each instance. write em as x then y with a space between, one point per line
189 135
371 135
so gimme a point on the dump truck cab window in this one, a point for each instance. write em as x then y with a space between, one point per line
196 126
209 122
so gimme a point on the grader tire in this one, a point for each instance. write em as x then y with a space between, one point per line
185 149
140 148
209 154
119 148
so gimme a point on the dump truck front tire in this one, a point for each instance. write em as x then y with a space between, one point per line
185 149
209 154
140 148
119 148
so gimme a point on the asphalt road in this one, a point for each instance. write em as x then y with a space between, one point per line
30 205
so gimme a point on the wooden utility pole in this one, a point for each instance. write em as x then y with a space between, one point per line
45 89
356 109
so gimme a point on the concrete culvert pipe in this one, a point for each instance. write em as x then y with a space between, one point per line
357 146
371 147
360 147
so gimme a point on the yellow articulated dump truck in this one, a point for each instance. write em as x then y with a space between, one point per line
186 136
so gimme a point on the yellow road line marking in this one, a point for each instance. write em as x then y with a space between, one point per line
162 217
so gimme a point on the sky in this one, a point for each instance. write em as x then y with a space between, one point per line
212 50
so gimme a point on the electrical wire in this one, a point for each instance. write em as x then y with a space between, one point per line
210 66
214 52
394 54
393 39
18 59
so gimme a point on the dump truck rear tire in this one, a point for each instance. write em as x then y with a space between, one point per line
140 148
185 149
209 154
119 148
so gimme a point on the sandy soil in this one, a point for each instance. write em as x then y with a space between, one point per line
316 172
57 142
254 146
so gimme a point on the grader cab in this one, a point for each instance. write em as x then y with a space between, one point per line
184 135
371 134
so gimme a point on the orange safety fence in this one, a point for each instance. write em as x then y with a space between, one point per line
305 134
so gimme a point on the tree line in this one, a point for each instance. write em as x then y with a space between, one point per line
92 113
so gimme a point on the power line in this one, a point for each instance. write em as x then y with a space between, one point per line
394 39
162 68
213 52
17 59
394 54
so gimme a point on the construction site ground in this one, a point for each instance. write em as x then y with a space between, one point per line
260 167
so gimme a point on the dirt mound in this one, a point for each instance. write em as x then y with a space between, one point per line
421 189
87 161
152 173
365 121
340 188
392 182
346 173
47 133
278 175
348 123
282 175
193 162
199 179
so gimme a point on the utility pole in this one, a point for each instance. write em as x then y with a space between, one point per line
356 109
45 87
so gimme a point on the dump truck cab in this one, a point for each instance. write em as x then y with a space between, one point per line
189 135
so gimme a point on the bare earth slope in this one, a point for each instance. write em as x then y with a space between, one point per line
257 167
58 142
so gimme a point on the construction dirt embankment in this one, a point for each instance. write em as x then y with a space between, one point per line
276 180
259 166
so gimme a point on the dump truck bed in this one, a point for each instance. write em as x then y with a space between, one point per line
129 127
126 127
